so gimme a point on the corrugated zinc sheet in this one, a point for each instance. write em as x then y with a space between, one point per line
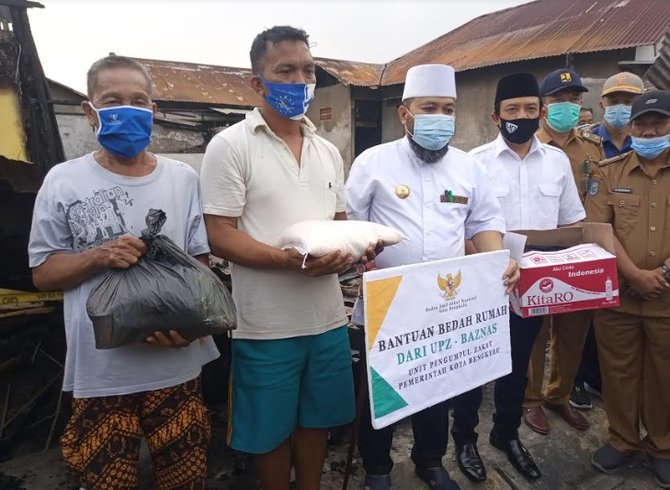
352 72
541 29
659 73
191 82
210 84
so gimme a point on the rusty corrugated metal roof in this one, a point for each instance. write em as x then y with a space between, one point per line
541 29
193 82
177 81
352 72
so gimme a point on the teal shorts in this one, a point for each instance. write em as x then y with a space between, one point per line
278 385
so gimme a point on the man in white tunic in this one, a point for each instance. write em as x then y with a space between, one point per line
438 196
534 185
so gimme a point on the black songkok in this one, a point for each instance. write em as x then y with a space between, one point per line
517 85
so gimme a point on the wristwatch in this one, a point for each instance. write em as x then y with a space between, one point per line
666 272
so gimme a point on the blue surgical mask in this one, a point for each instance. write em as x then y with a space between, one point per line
433 131
124 130
562 116
617 116
650 148
291 100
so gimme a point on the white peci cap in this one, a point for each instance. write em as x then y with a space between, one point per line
430 81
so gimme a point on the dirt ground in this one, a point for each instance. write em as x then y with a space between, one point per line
563 457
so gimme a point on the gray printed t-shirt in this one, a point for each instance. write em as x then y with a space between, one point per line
82 205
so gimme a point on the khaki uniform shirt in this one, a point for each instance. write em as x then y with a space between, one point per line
584 149
638 207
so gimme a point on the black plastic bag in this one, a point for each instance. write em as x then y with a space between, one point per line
165 290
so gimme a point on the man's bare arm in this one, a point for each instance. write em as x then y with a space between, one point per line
470 247
66 270
232 244
487 241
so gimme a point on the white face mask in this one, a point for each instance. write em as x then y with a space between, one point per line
433 131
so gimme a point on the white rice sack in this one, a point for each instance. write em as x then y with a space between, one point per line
319 238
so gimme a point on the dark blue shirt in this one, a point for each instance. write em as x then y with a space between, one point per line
610 148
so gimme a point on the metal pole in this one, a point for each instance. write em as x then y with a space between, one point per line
356 425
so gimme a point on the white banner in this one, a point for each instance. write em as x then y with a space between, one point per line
433 331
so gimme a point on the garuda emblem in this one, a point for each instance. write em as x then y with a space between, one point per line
449 285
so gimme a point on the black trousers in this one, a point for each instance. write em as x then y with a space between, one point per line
589 368
509 390
431 433
430 428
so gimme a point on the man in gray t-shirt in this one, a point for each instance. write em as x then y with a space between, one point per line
87 216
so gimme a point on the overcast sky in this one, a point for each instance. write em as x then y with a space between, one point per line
70 35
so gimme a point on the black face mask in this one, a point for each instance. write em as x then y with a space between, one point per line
518 131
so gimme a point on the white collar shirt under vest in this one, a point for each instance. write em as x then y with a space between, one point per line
536 193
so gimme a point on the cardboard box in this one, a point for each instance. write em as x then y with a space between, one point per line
582 275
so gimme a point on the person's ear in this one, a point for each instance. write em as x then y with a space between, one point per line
91 115
404 115
495 118
257 86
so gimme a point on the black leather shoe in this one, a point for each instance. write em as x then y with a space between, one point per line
517 455
470 462
377 482
437 478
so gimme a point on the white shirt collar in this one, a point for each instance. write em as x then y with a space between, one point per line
501 146
407 148
256 120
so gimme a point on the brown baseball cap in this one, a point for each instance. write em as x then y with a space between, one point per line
623 82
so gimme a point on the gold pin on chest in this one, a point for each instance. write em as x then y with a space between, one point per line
402 191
